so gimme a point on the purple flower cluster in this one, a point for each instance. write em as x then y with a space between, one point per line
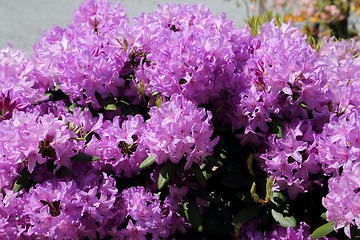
178 127
148 216
339 143
61 210
119 146
281 74
342 202
197 55
102 96
16 83
302 232
85 56
291 160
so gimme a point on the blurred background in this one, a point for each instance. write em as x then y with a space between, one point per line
23 22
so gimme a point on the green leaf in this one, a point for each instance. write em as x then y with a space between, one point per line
124 102
278 199
84 157
213 161
249 163
110 107
269 192
246 214
193 215
198 173
323 215
22 180
276 127
165 174
256 22
150 160
323 230
282 220
304 105
56 94
254 195
72 107
158 101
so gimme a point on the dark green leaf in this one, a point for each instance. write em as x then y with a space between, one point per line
323 230
249 163
150 160
198 173
84 157
354 232
246 214
213 161
282 220
165 174
63 172
22 180
235 181
276 127
214 219
193 215
130 109
278 199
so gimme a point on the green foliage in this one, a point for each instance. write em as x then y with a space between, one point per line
285 221
246 214
23 180
323 230
256 22
150 160
193 215
165 174
84 157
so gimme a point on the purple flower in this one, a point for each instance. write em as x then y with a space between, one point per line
17 85
197 54
147 214
339 143
79 59
12 224
342 71
119 145
279 80
301 232
343 200
53 210
179 128
29 139
291 160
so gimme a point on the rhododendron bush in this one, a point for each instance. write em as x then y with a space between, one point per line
178 125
